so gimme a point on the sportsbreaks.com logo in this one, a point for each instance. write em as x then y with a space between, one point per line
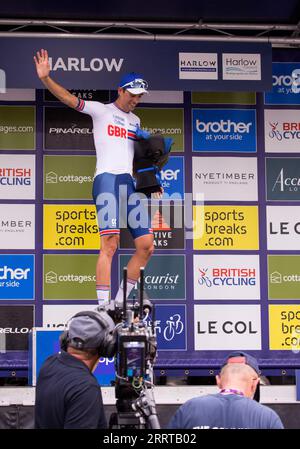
224 130
16 276
70 226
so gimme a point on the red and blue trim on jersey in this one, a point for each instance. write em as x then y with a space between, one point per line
109 232
131 134
80 105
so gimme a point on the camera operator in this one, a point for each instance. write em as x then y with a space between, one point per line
68 395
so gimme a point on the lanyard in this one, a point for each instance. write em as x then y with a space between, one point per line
231 391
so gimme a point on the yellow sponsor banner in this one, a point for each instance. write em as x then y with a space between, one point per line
70 226
225 227
284 327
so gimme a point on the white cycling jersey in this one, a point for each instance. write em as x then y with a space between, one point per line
114 135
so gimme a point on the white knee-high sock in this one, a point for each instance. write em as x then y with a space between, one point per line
103 293
129 286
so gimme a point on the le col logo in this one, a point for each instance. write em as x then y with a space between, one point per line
84 65
284 228
228 327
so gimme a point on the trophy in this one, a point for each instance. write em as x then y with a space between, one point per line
151 153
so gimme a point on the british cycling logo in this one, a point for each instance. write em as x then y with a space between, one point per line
204 279
274 133
287 130
296 81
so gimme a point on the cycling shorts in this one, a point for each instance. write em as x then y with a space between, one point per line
120 206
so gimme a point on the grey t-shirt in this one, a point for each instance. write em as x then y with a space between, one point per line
220 411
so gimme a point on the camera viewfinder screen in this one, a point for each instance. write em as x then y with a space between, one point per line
134 358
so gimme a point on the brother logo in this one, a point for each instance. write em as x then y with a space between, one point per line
13 273
169 175
225 126
282 80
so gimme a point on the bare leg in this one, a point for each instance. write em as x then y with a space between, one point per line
109 244
143 251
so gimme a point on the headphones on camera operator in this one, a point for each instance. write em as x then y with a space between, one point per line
83 334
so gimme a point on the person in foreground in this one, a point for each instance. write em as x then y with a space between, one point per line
233 406
68 395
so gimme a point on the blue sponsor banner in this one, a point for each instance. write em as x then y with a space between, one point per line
16 276
170 327
230 130
89 63
172 178
164 276
283 179
283 79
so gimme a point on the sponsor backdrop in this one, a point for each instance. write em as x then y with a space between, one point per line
226 270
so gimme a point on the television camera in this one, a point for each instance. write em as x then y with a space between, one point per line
135 356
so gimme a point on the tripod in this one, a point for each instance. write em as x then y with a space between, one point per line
136 414
136 350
